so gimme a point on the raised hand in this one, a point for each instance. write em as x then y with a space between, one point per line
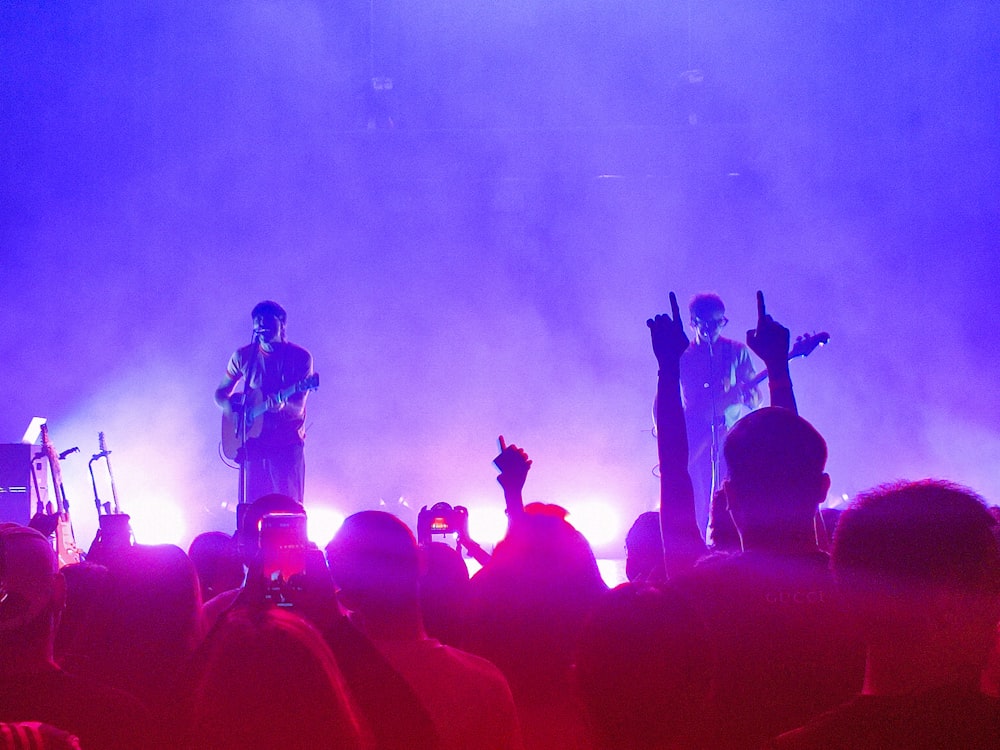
769 340
668 336
513 464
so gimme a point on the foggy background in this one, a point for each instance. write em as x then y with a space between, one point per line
475 250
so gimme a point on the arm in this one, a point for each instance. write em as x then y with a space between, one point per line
682 542
769 341
476 552
295 406
227 386
225 391
513 464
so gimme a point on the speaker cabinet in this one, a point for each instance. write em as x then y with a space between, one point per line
17 486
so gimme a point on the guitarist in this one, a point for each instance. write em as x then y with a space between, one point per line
716 383
272 457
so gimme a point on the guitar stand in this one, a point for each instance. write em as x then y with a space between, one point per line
114 531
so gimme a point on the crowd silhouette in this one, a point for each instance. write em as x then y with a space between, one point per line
795 629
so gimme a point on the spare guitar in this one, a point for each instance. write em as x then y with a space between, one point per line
254 405
66 548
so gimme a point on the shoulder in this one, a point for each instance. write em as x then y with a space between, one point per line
737 347
239 359
430 661
475 663
242 354
846 726
295 352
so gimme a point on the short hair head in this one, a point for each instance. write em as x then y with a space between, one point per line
643 546
909 536
216 557
374 556
704 306
269 308
28 577
776 461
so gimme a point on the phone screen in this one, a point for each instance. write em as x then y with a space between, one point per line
283 544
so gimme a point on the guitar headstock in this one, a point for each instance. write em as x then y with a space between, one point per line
47 446
308 384
807 343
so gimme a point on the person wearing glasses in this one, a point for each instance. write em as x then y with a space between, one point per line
717 384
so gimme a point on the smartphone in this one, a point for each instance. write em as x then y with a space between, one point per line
283 544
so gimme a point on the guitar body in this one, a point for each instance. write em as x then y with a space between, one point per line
232 440
251 413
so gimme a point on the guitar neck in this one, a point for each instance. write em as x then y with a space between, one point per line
54 470
759 378
804 345
265 404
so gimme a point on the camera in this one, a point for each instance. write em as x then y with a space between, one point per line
442 519
283 548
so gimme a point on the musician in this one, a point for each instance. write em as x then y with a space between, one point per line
717 386
273 460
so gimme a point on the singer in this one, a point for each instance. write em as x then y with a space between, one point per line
271 450
716 384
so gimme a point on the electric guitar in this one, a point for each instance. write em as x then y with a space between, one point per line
66 548
254 405
804 345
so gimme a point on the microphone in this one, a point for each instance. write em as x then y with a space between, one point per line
67 452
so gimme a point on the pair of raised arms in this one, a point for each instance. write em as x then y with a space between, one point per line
769 340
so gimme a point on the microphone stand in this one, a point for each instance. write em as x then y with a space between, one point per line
716 479
243 428
242 502
715 418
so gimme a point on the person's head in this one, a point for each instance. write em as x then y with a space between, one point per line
644 548
776 479
708 316
217 560
269 321
922 557
375 562
32 591
266 678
